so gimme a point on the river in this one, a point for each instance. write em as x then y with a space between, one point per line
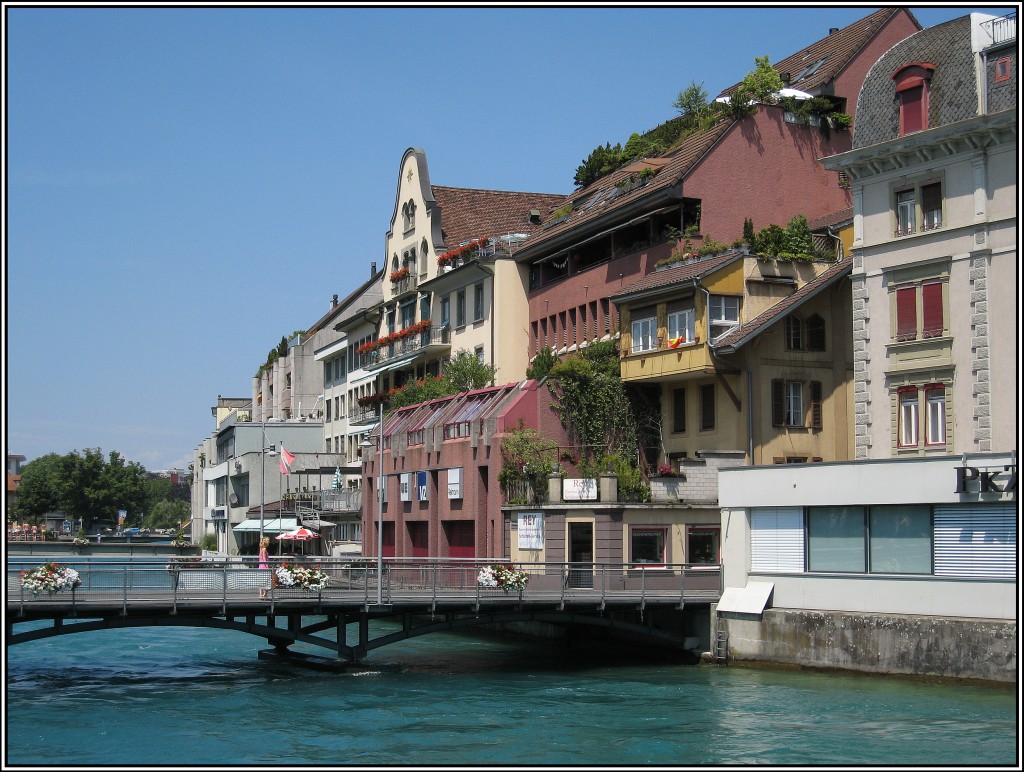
152 696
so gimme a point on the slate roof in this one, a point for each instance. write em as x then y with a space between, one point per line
952 95
833 52
468 213
669 277
748 330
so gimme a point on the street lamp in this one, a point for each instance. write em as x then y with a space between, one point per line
380 503
264 451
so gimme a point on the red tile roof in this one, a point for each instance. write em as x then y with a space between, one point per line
468 214
833 52
833 218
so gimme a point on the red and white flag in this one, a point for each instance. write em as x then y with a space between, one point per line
287 459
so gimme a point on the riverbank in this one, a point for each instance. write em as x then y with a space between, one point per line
65 551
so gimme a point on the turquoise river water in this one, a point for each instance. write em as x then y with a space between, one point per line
159 696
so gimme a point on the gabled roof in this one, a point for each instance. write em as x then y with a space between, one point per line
653 283
468 213
832 218
344 305
603 204
814 67
747 331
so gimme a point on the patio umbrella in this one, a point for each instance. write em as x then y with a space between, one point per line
299 534
336 482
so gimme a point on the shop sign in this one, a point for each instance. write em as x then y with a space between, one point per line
455 483
986 479
531 531
579 489
421 486
405 486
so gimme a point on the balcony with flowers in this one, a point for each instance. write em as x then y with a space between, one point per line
420 337
455 258
402 281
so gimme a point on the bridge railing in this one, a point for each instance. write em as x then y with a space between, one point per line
403 580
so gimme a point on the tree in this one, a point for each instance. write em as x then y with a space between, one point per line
465 372
82 486
601 161
760 85
542 363
692 100
166 514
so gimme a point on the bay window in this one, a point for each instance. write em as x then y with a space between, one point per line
645 334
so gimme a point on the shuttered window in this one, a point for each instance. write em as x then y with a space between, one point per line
777 539
815 404
906 313
778 401
976 541
931 308
912 117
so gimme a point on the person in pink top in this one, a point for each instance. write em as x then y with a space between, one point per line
264 560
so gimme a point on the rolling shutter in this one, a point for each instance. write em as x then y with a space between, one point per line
777 539
978 540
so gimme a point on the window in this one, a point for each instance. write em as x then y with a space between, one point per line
707 407
1003 70
460 308
479 351
908 416
788 403
478 302
920 310
446 311
702 546
681 327
918 207
835 539
647 545
328 411
645 332
815 333
723 315
679 410
935 401
794 334
423 257
327 373
900 539
912 86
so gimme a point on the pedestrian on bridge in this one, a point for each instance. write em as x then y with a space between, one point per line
264 560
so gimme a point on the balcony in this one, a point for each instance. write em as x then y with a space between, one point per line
665 361
403 285
432 341
1001 30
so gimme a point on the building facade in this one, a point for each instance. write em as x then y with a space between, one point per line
934 179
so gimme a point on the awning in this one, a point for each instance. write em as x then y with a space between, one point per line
276 525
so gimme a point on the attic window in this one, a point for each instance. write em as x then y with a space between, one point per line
1003 69
912 85
809 71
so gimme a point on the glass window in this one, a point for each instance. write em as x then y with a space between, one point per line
647 545
815 329
794 334
794 403
681 327
478 302
908 418
679 410
901 539
446 311
835 539
460 308
644 334
931 206
707 407
935 398
702 546
906 209
723 315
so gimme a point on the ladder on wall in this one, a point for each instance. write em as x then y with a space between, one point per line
721 646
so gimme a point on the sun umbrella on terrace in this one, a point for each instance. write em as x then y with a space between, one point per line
299 534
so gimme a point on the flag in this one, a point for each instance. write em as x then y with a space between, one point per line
287 459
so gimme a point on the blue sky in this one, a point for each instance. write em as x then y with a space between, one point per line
186 185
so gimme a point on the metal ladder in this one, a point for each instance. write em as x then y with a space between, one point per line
721 646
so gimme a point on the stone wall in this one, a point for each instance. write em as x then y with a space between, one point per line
877 643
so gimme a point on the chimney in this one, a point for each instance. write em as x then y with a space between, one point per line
373 269
786 78
334 301
832 30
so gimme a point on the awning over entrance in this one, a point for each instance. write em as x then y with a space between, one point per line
277 525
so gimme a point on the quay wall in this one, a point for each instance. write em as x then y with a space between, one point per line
67 551
949 647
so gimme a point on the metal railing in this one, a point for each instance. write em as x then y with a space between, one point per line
1001 30
224 583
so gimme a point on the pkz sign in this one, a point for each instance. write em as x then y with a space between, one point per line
986 479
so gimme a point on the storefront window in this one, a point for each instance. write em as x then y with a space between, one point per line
702 546
835 539
901 539
647 545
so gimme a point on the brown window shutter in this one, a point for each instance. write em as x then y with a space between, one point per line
906 313
778 402
931 301
815 404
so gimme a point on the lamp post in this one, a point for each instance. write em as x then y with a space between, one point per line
380 503
264 450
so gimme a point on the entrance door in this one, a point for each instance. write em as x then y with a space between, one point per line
581 554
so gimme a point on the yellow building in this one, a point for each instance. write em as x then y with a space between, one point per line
747 355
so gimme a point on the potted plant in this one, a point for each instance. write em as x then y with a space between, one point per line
50 578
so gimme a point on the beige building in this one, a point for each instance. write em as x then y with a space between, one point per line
747 356
450 283
934 175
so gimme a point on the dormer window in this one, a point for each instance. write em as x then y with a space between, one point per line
912 84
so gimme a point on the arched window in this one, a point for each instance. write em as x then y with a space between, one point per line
794 334
409 215
394 262
423 257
